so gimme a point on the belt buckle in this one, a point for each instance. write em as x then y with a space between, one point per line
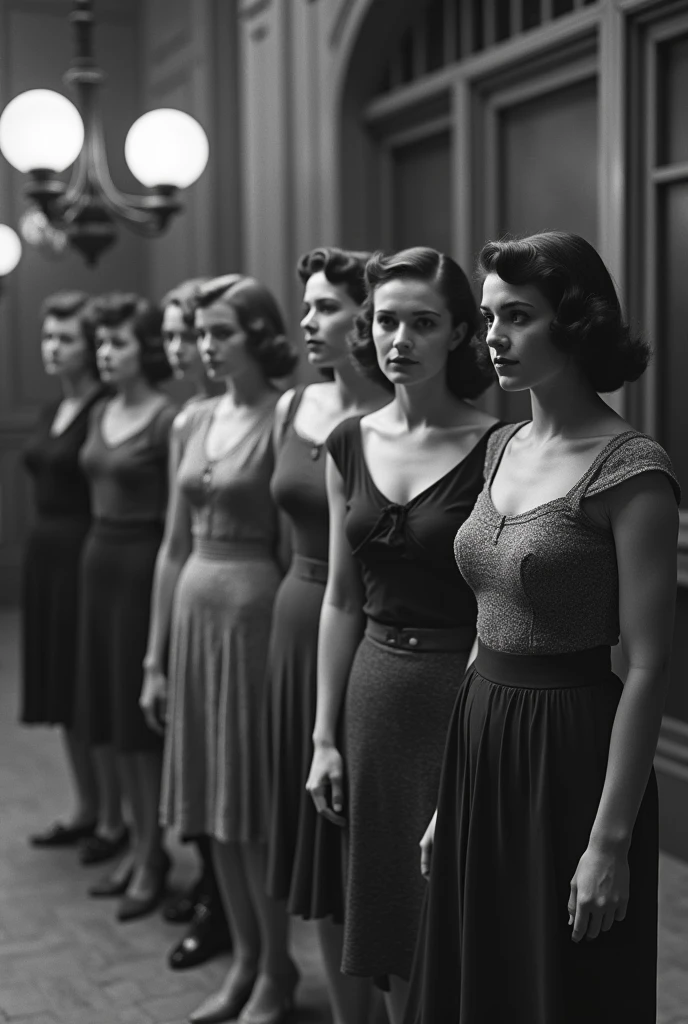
391 638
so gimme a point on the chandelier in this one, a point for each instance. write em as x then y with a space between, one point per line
10 251
42 133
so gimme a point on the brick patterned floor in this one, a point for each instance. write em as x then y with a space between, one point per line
64 960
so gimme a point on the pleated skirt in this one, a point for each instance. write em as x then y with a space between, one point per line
117 568
213 765
398 707
304 849
521 783
50 613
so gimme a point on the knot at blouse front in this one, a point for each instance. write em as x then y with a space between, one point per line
230 496
405 551
546 581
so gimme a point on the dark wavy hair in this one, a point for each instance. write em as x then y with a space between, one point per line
342 267
469 368
588 320
184 296
117 308
259 316
64 306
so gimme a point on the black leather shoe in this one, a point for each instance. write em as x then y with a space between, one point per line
97 849
112 885
132 907
207 936
63 835
181 909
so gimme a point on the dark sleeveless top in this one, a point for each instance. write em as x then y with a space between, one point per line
129 480
60 488
405 551
298 487
546 581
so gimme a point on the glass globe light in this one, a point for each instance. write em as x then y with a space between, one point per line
10 250
166 147
41 130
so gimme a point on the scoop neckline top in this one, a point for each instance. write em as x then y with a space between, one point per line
431 487
553 502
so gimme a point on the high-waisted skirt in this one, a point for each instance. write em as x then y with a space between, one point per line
521 783
213 767
50 613
304 849
117 568
398 706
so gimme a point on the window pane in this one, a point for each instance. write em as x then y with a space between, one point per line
673 104
672 344
531 13
561 7
434 35
502 19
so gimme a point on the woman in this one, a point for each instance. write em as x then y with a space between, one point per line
50 593
217 587
399 481
304 858
200 906
544 859
125 458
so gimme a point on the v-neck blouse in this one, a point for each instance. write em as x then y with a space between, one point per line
405 551
546 580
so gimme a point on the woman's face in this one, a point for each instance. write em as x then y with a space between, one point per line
179 340
328 317
412 330
64 348
118 354
518 319
222 341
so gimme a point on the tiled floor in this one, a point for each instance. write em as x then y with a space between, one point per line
63 960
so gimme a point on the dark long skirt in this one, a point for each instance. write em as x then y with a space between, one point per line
398 707
304 851
521 783
50 599
116 582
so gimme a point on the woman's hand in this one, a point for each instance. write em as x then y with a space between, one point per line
153 699
599 892
426 845
326 778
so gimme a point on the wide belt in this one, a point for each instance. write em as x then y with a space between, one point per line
417 639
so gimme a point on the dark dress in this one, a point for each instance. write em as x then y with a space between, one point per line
399 697
304 852
213 771
523 774
50 591
129 498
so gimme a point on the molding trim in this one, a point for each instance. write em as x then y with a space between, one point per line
672 749
345 9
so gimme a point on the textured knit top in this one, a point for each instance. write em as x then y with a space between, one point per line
60 486
405 551
230 496
546 581
298 487
129 479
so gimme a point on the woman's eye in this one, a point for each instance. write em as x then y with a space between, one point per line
425 323
518 317
385 322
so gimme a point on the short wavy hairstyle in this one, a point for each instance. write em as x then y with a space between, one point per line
340 266
184 296
64 306
469 368
145 319
260 318
588 321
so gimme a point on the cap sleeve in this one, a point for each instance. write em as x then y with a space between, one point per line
635 454
341 444
496 443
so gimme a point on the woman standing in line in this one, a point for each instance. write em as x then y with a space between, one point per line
200 906
217 590
125 458
304 851
542 900
399 481
50 592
